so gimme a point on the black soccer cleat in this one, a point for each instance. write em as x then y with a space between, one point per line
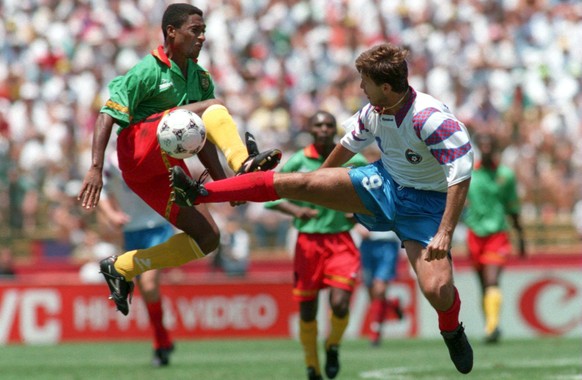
493 337
460 350
332 365
121 291
257 161
162 356
185 190
312 375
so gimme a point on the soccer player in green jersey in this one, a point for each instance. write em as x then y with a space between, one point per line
492 197
169 77
325 254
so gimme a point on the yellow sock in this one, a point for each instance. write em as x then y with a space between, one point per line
338 326
308 338
492 300
176 251
223 133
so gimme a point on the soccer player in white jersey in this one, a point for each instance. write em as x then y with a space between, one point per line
417 188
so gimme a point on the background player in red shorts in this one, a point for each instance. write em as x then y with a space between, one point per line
169 77
325 254
491 198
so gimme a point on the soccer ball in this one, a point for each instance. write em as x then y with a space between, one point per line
181 133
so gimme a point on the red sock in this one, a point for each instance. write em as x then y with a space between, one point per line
377 309
251 187
161 337
449 319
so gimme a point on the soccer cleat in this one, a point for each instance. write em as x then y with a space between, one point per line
162 356
185 190
312 375
332 365
121 290
493 337
460 350
257 161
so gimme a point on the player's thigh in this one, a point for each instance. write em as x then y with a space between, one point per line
198 223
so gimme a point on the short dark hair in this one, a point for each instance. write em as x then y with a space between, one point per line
177 14
323 113
385 63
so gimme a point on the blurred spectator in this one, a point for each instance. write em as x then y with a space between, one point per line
6 263
517 71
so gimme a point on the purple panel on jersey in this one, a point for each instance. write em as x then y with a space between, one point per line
445 156
420 118
443 132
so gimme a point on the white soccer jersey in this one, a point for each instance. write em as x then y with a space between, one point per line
423 146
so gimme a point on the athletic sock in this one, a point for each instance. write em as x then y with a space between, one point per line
336 332
174 252
377 309
492 301
223 133
308 338
251 187
449 319
156 314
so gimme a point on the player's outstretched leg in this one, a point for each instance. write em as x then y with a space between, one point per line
121 290
258 161
459 348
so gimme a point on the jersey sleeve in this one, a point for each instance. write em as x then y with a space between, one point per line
358 133
126 92
448 141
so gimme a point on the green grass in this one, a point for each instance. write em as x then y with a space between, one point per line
551 358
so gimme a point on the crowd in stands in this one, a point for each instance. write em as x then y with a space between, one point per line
513 67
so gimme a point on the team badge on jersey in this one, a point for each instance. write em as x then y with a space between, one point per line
413 157
204 80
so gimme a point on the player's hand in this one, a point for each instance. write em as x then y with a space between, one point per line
91 189
439 246
306 213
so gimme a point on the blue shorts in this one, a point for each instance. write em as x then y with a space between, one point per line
379 260
412 214
148 237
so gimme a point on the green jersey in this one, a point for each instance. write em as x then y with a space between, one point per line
328 221
492 196
153 85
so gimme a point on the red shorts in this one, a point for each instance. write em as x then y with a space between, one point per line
145 167
323 260
489 250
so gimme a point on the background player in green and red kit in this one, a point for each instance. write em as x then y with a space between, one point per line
492 197
167 78
325 254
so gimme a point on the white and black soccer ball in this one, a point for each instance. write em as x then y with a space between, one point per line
181 133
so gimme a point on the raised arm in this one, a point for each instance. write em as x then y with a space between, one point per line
339 156
440 245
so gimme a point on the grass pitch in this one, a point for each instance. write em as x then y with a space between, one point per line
528 359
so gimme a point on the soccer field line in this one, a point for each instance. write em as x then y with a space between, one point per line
407 373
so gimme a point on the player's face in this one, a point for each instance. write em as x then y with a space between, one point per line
373 91
191 36
323 129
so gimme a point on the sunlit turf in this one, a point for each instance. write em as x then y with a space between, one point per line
548 358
